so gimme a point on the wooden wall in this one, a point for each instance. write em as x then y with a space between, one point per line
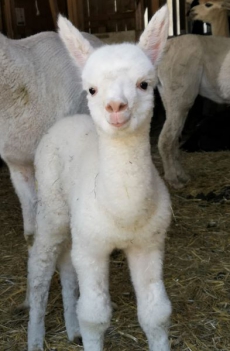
94 16
109 16
37 19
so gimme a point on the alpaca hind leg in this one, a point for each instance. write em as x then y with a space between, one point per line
177 98
23 180
169 150
70 295
49 240
154 307
24 183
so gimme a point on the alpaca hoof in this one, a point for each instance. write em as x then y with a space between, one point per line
178 182
78 340
175 183
185 179
29 239
22 308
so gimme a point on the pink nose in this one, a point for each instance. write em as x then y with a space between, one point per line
115 106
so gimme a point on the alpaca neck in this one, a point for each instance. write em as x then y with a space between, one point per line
220 25
125 182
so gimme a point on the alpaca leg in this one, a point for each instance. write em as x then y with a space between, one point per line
26 303
24 183
154 307
94 307
177 98
49 240
169 149
41 267
70 295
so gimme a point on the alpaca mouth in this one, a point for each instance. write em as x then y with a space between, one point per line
118 119
118 125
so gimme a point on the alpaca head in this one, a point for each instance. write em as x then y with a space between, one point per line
208 10
119 79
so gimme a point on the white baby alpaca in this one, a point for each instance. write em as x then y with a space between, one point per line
96 180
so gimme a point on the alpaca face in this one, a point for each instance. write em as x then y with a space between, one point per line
120 94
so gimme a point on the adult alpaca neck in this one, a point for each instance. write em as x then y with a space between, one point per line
125 165
220 25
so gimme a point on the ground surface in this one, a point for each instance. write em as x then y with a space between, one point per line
197 269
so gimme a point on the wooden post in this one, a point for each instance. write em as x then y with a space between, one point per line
154 6
139 17
54 11
71 5
1 24
80 14
10 18
75 13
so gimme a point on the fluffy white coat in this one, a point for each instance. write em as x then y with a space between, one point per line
96 180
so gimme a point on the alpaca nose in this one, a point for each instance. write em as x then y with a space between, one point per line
115 106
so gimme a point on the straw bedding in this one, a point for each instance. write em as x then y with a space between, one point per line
196 270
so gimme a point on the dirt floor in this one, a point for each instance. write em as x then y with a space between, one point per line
197 269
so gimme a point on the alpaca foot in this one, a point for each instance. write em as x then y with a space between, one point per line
78 340
22 308
178 182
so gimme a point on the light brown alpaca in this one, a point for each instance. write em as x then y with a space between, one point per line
191 65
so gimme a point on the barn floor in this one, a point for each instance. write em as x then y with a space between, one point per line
197 269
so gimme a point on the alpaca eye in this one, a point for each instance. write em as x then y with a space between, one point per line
92 91
144 85
208 4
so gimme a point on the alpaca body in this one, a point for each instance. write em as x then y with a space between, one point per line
39 85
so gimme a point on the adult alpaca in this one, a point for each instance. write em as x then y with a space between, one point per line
191 65
96 178
39 85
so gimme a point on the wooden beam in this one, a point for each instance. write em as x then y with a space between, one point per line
111 17
54 11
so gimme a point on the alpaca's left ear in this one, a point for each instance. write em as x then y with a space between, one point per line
154 37
78 47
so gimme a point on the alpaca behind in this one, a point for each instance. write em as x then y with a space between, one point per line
96 180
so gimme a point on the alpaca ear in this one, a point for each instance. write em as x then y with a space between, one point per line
78 47
154 37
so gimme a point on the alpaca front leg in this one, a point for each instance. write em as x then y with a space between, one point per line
70 295
154 307
94 306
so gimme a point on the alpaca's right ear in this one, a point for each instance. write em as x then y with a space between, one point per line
78 47
154 37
